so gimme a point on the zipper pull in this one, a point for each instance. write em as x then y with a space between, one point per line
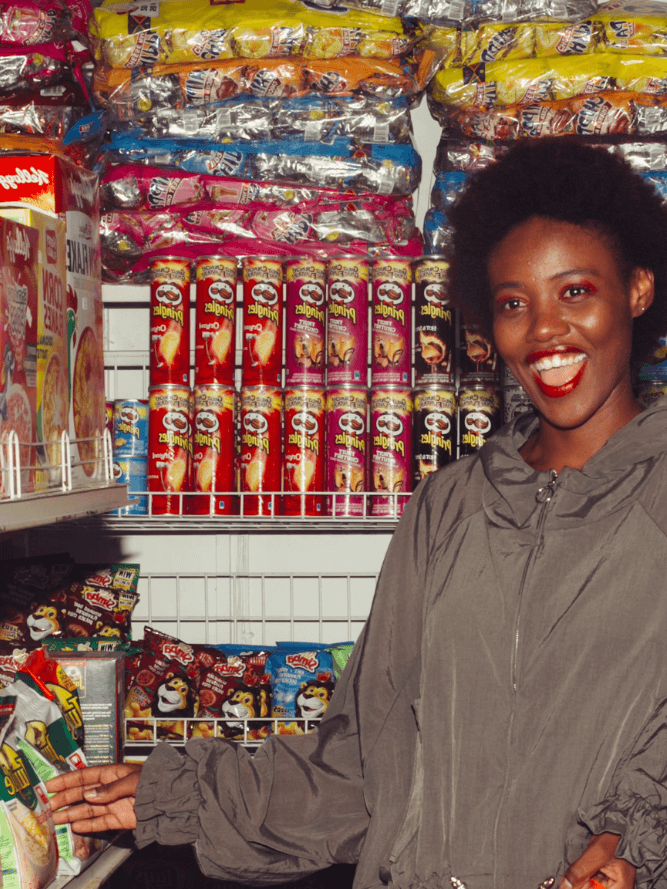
546 492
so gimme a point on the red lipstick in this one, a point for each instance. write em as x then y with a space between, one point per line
560 391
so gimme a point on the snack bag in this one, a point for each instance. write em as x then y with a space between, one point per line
28 850
30 597
340 654
47 677
302 679
12 659
235 689
41 734
102 604
166 685
636 27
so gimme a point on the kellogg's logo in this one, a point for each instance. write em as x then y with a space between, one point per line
181 653
302 661
23 176
18 245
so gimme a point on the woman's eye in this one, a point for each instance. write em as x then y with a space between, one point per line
509 304
576 290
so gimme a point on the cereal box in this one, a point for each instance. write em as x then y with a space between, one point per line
64 191
52 365
18 349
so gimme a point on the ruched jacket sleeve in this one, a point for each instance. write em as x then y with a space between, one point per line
635 806
299 804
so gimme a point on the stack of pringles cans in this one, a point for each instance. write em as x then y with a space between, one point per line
356 379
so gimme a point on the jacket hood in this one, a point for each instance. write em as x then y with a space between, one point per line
612 476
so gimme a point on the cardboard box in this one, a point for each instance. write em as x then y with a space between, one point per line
64 191
18 348
52 361
100 679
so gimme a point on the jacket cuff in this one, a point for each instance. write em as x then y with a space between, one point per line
641 823
168 799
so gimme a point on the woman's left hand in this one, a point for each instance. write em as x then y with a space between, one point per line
599 861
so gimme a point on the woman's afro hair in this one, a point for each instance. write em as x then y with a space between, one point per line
565 180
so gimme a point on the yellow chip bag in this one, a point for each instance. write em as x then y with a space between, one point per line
636 26
186 31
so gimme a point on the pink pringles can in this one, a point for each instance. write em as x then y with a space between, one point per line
391 449
305 307
391 333
347 449
347 321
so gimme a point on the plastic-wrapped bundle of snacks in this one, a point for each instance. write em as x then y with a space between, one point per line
304 119
185 31
549 79
465 11
129 239
635 27
181 86
344 164
532 10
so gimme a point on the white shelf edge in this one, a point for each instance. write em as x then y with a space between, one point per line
106 862
44 508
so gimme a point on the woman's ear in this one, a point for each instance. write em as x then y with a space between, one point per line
642 291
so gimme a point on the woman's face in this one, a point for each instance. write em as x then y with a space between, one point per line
563 319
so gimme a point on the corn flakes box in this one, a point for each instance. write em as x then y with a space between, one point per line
137 34
52 366
63 191
18 353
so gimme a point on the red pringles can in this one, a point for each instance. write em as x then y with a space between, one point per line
170 321
391 337
169 448
260 459
391 440
213 451
435 331
262 321
305 304
347 449
303 451
347 321
215 320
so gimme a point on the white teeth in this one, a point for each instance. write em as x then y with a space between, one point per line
557 360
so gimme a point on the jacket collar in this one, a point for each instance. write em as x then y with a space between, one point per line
608 480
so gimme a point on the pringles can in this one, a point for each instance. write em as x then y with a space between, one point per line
347 321
130 427
215 320
391 338
132 471
479 417
478 359
169 448
303 451
262 321
514 397
305 304
435 430
260 457
170 321
347 449
391 447
213 454
435 330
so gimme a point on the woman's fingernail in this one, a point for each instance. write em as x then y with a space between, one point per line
91 794
566 883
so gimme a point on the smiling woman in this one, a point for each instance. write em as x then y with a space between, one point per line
503 718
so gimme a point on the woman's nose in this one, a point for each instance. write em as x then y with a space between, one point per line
547 322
